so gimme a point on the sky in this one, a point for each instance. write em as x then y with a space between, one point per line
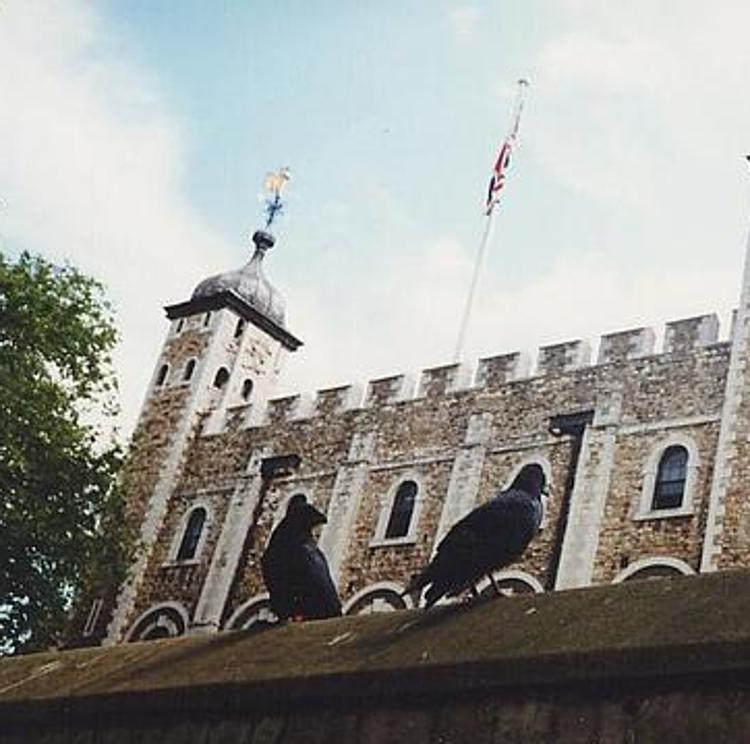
135 136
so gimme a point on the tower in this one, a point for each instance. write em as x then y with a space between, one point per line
220 361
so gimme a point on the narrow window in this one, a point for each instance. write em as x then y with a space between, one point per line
162 376
221 378
180 325
192 534
247 389
402 510
189 368
93 616
207 318
670 479
239 329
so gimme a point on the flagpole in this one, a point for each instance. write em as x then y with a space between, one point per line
489 213
473 288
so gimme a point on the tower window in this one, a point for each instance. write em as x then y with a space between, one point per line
192 535
402 510
247 389
670 479
189 369
180 325
239 329
221 378
161 378
207 318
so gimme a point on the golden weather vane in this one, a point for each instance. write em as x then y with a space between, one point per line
274 184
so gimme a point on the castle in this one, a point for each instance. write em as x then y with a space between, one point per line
646 450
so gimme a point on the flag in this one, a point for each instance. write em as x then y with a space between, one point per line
497 179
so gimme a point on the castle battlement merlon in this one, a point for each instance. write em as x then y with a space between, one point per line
490 374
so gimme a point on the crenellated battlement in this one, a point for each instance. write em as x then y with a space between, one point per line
681 337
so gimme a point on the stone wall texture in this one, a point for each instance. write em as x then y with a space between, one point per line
461 441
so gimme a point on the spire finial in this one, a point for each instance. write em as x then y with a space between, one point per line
274 184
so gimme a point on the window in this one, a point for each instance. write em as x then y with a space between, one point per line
161 378
207 318
180 325
247 389
670 474
191 536
669 487
239 328
401 511
93 616
189 368
221 378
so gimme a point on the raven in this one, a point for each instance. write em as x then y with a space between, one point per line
294 568
489 537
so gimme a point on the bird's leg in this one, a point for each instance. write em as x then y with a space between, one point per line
494 584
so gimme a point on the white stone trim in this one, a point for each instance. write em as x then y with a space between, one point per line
379 586
261 600
643 563
466 474
343 506
513 574
725 460
386 507
229 545
588 500
642 509
179 532
154 609
668 424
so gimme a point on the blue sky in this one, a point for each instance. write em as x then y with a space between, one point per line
135 136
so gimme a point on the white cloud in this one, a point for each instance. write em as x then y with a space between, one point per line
463 21
90 171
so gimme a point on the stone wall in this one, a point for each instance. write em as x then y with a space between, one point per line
654 661
462 441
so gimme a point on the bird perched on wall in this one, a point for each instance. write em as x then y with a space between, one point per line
489 537
294 568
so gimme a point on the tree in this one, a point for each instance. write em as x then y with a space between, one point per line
61 512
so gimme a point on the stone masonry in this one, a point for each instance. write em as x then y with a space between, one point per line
459 434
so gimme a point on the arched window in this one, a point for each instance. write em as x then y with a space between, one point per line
189 369
247 389
402 510
161 378
221 378
239 329
669 486
167 620
192 534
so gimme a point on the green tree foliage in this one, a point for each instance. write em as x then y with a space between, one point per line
62 523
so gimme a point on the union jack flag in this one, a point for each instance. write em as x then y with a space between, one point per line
497 179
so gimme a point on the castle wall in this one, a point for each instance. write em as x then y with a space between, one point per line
461 443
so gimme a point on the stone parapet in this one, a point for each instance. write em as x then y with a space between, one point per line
617 663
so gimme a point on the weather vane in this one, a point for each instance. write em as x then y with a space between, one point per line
274 184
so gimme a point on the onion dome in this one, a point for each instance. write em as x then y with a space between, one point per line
249 283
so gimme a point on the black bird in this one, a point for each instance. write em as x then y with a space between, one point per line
294 568
489 537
